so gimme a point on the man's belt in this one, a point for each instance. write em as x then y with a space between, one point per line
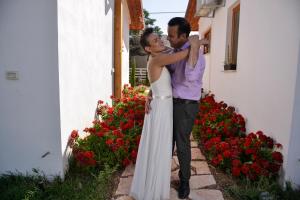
185 101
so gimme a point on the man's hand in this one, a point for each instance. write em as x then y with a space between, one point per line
147 104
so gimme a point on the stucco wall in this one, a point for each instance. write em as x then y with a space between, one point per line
125 43
85 38
204 26
29 107
293 159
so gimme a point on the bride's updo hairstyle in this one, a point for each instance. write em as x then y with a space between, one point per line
144 38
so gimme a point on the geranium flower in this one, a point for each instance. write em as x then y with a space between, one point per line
277 156
126 162
74 134
236 171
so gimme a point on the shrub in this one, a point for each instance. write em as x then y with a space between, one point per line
222 133
114 137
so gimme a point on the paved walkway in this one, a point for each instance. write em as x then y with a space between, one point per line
202 181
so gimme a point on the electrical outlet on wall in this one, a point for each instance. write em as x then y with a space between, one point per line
12 75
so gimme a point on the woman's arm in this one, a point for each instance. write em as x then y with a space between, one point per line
194 52
166 59
195 45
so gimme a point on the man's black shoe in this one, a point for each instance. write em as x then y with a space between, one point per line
183 190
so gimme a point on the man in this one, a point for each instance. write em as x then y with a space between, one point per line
186 89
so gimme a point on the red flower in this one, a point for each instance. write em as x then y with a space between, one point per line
86 130
120 141
264 163
277 156
133 154
248 142
74 134
89 154
120 111
259 133
100 134
224 146
270 142
109 142
126 162
227 154
220 158
256 168
86 158
249 151
138 138
215 161
274 168
243 129
251 135
245 169
263 138
236 171
208 131
236 163
110 111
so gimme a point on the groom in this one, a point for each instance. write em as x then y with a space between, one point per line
186 87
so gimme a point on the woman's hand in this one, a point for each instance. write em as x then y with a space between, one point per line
194 40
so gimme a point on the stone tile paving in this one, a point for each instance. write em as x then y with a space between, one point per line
201 179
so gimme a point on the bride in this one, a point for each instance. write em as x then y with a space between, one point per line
151 180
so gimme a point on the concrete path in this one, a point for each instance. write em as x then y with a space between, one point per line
201 179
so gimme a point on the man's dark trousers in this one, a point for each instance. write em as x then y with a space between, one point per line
184 114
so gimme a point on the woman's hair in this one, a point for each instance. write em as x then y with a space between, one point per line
144 37
183 25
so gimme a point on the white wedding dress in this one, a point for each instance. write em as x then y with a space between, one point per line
151 180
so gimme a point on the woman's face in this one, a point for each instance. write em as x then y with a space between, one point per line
156 44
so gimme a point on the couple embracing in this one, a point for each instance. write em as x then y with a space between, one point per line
171 107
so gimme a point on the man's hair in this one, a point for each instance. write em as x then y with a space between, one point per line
144 37
183 25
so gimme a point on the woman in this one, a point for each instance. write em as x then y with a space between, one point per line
152 174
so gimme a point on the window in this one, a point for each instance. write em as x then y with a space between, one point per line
232 38
207 35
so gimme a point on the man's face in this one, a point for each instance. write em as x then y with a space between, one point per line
176 41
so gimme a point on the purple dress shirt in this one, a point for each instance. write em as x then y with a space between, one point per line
187 81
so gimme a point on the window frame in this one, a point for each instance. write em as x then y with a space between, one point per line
207 46
232 39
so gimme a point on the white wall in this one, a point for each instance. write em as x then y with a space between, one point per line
125 43
204 26
29 107
263 87
85 36
293 160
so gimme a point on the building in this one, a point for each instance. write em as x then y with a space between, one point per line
253 63
57 59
